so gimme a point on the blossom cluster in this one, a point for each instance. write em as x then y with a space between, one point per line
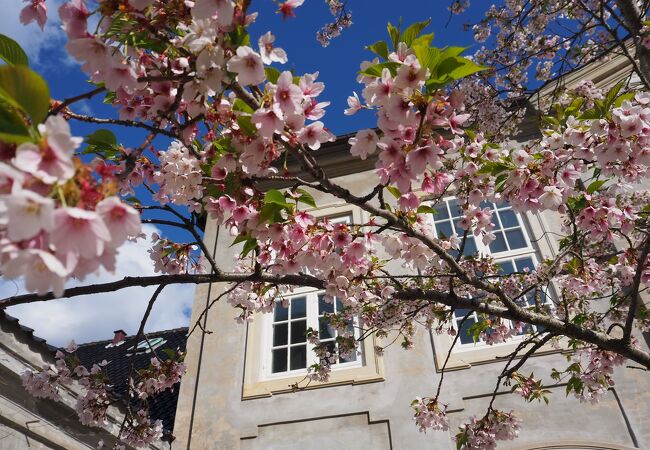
485 432
57 221
97 395
161 375
596 376
429 415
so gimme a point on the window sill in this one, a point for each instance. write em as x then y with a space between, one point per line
483 354
255 386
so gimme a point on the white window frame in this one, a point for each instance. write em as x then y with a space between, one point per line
312 321
484 250
529 251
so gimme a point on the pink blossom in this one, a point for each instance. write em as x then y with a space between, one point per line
41 270
247 65
288 6
207 9
74 16
551 198
408 201
268 121
314 135
79 232
269 53
364 143
287 95
92 51
51 160
36 10
418 159
354 105
121 219
25 214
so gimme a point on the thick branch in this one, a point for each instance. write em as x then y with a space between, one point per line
551 325
632 20
297 280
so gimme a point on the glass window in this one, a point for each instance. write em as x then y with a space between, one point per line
289 348
289 341
512 250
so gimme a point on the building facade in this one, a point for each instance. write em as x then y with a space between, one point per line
237 393
27 422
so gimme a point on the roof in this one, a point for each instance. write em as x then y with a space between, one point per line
119 359
29 332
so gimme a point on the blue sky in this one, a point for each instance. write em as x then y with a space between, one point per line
86 318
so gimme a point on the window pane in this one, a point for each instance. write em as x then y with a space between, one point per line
280 332
485 204
464 337
298 357
515 239
508 218
325 331
279 360
507 267
331 349
349 358
470 246
323 306
444 229
461 312
298 307
454 208
441 212
499 244
339 306
524 263
280 312
298 331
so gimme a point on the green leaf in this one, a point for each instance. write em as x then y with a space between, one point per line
492 168
627 96
270 213
102 139
612 93
428 56
249 246
457 67
379 48
424 40
393 32
377 69
246 125
306 198
272 74
241 238
413 31
590 114
12 127
393 190
425 209
276 197
242 106
11 52
239 37
22 87
593 187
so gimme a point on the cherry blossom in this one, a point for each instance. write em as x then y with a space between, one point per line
35 11
269 53
248 66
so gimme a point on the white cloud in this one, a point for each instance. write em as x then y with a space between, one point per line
43 47
95 317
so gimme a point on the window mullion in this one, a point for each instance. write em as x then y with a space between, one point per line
312 321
